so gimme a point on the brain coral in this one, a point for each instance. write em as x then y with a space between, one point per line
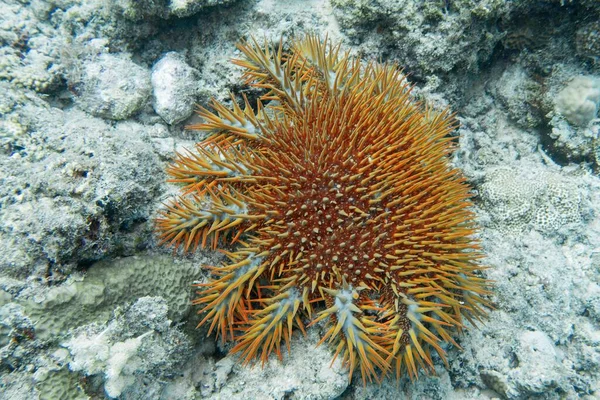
338 191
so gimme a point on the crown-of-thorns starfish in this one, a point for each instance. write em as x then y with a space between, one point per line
338 190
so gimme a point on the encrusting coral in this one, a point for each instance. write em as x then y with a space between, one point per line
338 191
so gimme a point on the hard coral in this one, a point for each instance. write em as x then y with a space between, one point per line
340 195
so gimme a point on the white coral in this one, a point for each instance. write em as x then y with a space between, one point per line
122 365
579 101
93 354
89 352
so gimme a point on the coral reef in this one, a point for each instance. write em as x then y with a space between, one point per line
540 199
138 10
587 40
83 178
55 310
578 102
174 88
139 345
341 196
305 371
428 36
79 193
109 326
105 91
520 94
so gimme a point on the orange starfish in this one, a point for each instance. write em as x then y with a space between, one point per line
339 192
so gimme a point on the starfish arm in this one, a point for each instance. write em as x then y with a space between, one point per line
269 326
